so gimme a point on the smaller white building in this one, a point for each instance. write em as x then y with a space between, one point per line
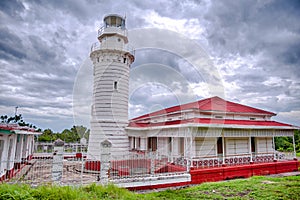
16 148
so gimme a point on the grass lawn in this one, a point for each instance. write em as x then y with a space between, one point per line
252 188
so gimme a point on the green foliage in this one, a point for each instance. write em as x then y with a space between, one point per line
47 136
18 119
253 188
68 135
286 143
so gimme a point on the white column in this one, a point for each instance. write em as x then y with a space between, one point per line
250 148
294 146
223 148
273 141
172 149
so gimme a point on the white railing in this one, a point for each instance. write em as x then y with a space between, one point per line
77 170
284 155
47 147
142 164
238 159
112 30
127 48
263 157
206 162
217 161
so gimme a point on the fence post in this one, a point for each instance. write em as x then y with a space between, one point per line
105 161
57 165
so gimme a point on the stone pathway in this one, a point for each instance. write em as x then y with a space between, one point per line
286 174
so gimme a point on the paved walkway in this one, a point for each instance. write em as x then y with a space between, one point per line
286 174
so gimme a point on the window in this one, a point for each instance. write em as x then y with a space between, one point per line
124 60
220 146
152 143
252 118
170 144
253 149
219 117
115 85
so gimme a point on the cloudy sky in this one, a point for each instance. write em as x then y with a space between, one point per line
244 51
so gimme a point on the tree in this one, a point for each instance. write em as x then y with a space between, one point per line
18 119
82 132
286 143
47 136
74 134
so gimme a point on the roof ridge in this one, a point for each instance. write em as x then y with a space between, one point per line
209 104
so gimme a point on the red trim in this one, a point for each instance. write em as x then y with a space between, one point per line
224 173
241 171
13 127
211 121
151 187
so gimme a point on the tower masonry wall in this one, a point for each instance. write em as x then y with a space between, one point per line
110 98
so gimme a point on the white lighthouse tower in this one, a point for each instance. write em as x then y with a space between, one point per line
111 59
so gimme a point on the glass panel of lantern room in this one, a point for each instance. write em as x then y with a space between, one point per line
107 22
118 22
113 21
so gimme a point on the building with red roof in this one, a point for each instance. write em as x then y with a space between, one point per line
16 147
211 129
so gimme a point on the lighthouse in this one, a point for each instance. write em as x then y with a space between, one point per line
111 58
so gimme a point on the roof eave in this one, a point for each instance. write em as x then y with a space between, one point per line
213 126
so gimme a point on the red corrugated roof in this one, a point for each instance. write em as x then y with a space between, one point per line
13 127
211 104
211 121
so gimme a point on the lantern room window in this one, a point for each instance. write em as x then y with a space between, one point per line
116 85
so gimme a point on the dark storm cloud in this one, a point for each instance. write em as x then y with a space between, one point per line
43 44
11 7
11 47
267 31
256 26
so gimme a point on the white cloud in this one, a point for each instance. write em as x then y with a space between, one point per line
189 27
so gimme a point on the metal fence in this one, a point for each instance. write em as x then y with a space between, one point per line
75 169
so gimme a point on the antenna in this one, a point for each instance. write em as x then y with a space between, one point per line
16 110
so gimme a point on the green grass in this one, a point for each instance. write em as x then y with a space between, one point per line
252 188
298 154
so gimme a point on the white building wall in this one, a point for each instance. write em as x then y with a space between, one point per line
3 154
143 144
163 145
19 148
175 148
11 149
110 102
205 147
264 145
236 146
25 147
